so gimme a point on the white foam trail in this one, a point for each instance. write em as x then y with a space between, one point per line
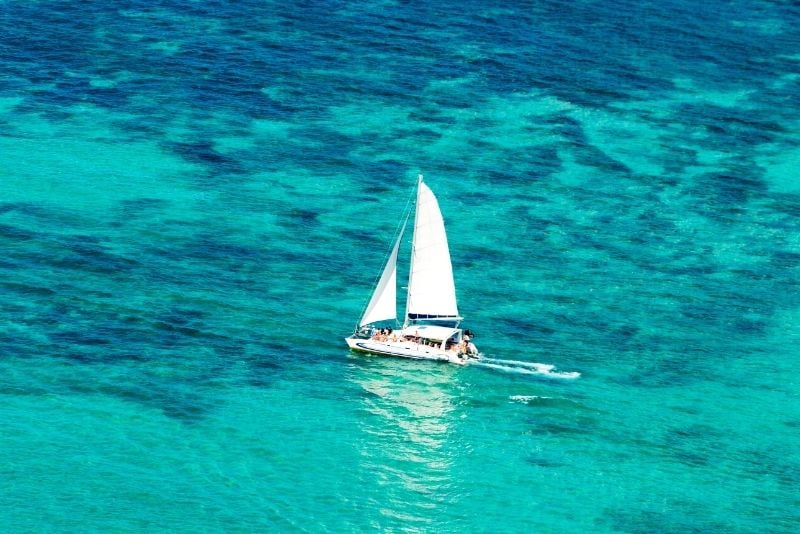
519 363
542 370
526 398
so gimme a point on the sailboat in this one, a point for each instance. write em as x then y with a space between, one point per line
431 327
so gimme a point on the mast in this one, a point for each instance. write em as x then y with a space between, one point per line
413 250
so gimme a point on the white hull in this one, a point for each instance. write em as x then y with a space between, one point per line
407 349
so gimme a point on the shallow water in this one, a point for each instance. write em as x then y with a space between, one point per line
196 197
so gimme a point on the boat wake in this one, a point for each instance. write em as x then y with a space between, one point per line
524 368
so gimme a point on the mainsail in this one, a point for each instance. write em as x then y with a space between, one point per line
431 290
383 304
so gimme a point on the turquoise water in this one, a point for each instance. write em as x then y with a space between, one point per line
195 199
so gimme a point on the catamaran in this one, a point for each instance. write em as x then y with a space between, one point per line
430 330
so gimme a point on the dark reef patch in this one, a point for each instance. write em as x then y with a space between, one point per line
203 152
633 520
540 461
16 233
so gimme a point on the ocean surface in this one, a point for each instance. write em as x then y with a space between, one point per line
196 198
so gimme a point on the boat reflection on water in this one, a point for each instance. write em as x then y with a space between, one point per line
406 440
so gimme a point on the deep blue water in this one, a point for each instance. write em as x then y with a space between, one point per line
196 196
